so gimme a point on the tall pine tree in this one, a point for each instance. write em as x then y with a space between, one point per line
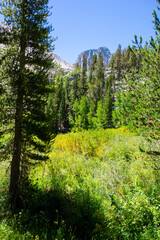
100 78
26 60
83 77
108 103
139 100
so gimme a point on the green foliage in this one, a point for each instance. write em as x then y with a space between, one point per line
83 77
80 111
92 120
113 186
100 115
57 104
135 105
138 101
124 61
97 185
123 107
91 143
25 65
74 99
108 104
75 93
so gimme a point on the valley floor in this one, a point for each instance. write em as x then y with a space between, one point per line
99 184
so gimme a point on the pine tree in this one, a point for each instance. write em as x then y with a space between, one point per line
80 110
83 77
83 112
118 62
156 21
100 79
26 61
75 91
100 115
108 104
93 62
92 68
139 102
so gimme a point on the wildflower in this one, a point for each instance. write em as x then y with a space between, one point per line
152 153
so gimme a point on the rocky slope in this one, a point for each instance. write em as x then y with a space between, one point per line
67 67
89 53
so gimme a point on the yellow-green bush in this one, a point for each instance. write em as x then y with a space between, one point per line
95 143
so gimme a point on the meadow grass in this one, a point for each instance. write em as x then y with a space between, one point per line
95 185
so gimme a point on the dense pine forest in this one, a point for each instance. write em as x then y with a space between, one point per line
80 150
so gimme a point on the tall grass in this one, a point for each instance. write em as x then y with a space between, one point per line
97 185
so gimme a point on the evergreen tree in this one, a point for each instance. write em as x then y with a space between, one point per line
156 21
26 60
108 104
77 66
80 113
67 92
75 91
118 62
100 115
60 101
93 62
140 98
91 115
58 104
92 68
83 112
125 60
100 79
83 77
74 115
133 62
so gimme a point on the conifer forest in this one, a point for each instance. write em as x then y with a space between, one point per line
79 150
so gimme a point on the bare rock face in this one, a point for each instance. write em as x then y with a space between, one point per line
67 67
89 53
2 25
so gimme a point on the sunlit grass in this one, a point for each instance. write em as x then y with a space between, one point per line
96 185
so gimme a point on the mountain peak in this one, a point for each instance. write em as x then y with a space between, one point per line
89 53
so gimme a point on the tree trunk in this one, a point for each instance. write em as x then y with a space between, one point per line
16 158
15 165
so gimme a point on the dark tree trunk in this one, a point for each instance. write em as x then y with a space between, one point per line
16 158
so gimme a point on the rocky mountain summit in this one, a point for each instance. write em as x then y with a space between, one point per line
89 53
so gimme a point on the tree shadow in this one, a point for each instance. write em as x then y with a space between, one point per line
54 214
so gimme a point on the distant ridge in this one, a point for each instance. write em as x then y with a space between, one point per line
67 67
89 53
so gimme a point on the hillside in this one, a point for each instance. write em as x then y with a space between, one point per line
67 67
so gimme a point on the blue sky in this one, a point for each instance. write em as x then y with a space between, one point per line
85 24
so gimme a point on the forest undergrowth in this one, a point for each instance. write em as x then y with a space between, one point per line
99 184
